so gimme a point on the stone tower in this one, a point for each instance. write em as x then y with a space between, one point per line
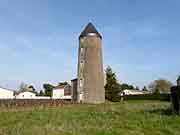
90 67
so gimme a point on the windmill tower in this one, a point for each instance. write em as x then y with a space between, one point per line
178 81
90 67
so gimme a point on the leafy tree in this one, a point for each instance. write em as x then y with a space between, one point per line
144 89
112 87
125 86
63 83
41 93
137 88
156 91
131 87
48 89
32 88
162 85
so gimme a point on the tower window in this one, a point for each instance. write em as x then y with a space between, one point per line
82 51
80 83
81 67
81 64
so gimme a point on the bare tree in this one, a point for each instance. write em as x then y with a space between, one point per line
161 84
24 87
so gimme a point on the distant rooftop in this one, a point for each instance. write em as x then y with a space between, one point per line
90 29
6 88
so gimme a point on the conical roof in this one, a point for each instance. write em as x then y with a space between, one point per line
178 79
89 29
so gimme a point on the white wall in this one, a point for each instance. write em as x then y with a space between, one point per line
42 97
26 95
59 94
132 92
6 94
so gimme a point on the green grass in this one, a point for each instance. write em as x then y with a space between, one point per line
124 118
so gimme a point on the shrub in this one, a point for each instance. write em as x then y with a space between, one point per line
162 97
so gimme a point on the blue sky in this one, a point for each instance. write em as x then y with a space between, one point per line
39 39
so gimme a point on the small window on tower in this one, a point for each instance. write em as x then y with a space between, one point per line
80 83
81 67
81 64
82 51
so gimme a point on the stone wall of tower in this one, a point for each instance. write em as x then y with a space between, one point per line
90 70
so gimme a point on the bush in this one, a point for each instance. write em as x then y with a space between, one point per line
162 97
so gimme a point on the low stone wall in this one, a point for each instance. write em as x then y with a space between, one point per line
11 103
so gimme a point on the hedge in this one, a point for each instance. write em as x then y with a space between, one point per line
163 97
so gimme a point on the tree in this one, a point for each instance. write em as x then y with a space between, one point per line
137 88
63 83
112 87
156 91
161 85
144 89
32 88
125 86
24 87
48 89
41 93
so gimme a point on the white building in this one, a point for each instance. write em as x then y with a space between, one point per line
25 95
6 93
132 92
62 92
42 97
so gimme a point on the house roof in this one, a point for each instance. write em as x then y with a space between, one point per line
62 86
6 89
133 90
90 28
59 87
18 92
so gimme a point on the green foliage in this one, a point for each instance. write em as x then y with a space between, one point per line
156 91
163 97
32 88
137 88
125 86
144 89
63 83
112 87
41 93
48 89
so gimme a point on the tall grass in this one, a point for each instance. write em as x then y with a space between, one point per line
124 118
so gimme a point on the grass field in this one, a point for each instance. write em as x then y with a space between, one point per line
124 118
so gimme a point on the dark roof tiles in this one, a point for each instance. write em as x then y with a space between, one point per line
89 29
